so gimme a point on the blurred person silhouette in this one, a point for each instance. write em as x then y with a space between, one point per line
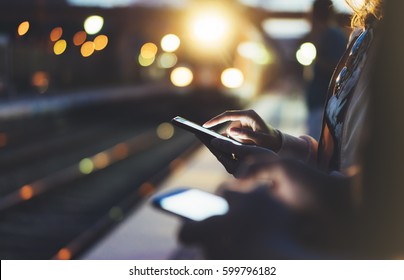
303 195
330 43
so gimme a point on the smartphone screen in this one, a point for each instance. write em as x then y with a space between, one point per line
195 128
192 204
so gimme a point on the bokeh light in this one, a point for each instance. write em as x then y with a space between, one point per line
87 49
23 28
40 80
232 78
165 131
3 140
170 43
100 42
64 254
148 50
93 24
181 76
120 151
79 38
306 54
26 192
56 34
257 52
101 160
60 47
146 189
167 60
145 61
86 166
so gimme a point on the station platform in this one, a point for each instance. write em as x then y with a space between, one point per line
151 234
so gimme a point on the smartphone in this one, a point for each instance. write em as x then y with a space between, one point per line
192 204
197 129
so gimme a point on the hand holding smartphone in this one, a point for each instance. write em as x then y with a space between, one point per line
197 129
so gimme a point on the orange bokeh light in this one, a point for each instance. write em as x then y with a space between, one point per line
23 28
56 34
79 38
100 42
87 49
120 151
26 192
101 160
64 254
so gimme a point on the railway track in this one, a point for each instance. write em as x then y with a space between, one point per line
66 179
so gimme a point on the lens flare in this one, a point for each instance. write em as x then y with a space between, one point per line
210 27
